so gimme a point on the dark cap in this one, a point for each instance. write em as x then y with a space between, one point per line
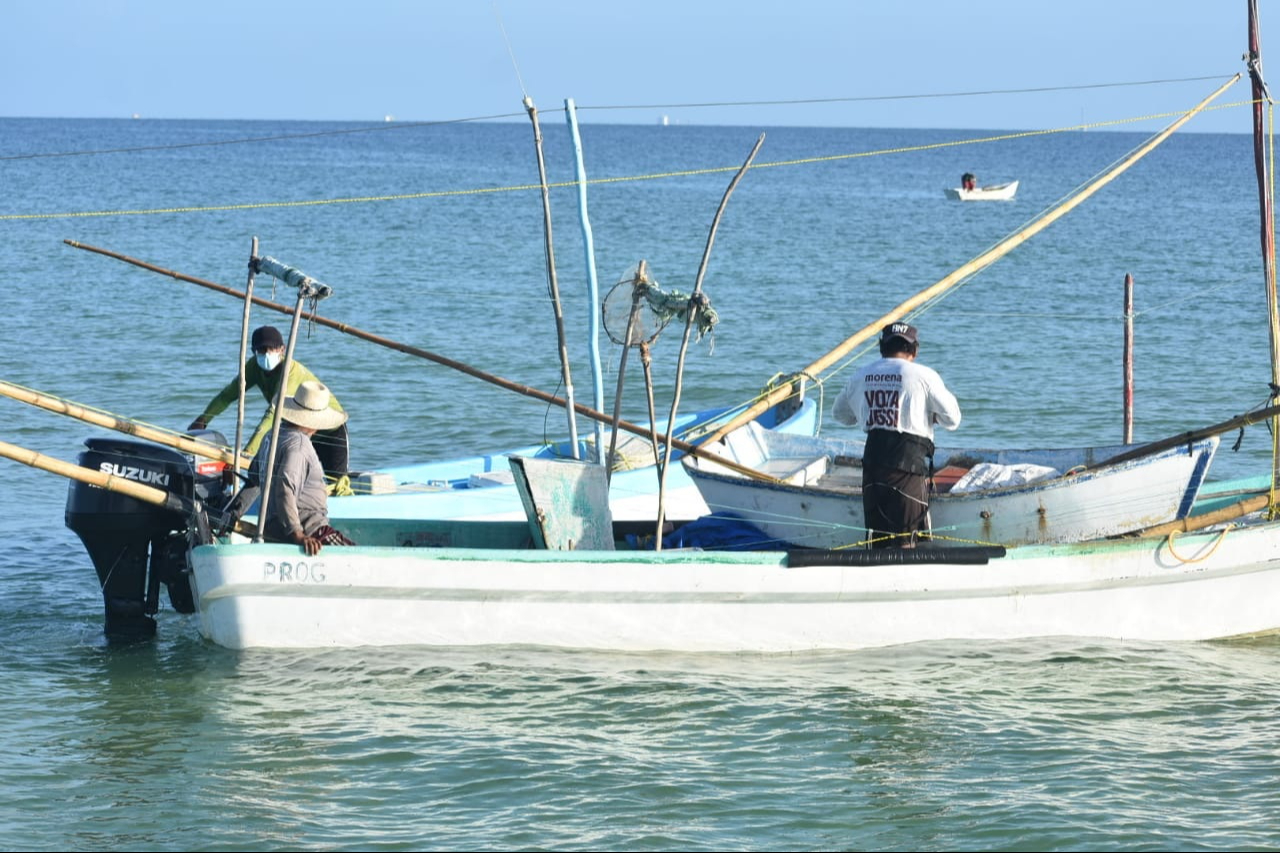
899 330
267 337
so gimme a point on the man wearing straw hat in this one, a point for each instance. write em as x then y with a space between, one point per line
297 508
898 402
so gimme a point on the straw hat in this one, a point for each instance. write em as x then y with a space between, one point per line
309 407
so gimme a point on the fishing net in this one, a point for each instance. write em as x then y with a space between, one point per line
637 302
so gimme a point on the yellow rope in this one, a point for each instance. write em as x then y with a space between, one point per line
269 204
962 541
597 181
1221 536
923 535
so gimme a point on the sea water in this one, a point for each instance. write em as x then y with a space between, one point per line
432 236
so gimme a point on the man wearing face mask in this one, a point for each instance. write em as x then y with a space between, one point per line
264 371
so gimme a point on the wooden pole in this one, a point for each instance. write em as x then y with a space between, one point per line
1128 358
646 361
552 283
636 283
438 359
244 345
979 263
305 291
695 301
1247 419
1266 229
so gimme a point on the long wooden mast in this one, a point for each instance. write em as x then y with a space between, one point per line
1266 227
987 258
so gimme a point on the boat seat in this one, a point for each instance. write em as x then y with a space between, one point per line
798 471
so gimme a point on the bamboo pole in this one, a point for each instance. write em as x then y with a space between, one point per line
979 263
125 425
110 482
1199 522
525 390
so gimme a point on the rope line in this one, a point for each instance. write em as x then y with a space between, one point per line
712 170
868 98
277 204
252 139
403 125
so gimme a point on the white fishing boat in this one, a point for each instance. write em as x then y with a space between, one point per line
1198 587
1173 582
992 192
1000 497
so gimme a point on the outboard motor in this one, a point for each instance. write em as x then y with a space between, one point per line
136 546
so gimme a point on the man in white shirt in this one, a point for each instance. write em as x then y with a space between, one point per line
897 402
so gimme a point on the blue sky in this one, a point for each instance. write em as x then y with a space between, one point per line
421 60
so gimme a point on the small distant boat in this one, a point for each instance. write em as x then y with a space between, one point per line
994 192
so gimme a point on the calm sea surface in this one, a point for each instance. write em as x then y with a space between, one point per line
1050 745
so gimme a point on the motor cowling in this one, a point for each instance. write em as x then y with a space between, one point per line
136 546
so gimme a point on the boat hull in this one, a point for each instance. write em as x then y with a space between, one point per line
1198 587
817 506
995 192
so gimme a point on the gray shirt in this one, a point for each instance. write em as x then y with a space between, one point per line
298 500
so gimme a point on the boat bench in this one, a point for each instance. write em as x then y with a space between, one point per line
797 471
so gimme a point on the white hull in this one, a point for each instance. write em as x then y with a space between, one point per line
995 192
1203 587
820 503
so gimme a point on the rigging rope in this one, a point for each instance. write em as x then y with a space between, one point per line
592 181
403 125
252 139
868 98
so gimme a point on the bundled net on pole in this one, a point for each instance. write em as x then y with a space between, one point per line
637 301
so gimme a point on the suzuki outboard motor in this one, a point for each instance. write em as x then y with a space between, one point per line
136 546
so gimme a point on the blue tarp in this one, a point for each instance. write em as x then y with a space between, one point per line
722 532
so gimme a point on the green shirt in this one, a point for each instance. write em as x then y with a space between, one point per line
269 383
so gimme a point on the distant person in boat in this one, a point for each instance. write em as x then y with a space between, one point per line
898 402
264 370
968 181
298 507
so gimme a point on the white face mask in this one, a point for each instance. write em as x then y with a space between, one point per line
268 361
